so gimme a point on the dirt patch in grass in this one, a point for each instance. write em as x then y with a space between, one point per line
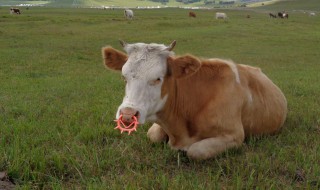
5 183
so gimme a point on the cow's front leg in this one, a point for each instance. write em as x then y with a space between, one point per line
157 134
210 147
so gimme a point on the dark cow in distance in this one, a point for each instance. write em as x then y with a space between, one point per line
201 106
283 15
192 14
15 10
272 15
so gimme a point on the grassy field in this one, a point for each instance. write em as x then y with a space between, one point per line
58 102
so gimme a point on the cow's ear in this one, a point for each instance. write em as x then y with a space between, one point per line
113 58
183 66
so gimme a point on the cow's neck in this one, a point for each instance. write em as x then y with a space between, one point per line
177 113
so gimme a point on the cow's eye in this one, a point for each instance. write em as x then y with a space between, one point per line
155 81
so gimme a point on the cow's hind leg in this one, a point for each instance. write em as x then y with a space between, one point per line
157 134
210 147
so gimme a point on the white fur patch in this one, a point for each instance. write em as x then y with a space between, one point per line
250 99
232 66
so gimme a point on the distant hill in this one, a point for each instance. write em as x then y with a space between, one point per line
292 5
288 5
130 3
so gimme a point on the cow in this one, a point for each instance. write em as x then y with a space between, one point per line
312 14
128 13
15 10
201 106
192 14
221 16
272 15
283 15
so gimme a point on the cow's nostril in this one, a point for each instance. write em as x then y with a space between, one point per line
137 114
128 114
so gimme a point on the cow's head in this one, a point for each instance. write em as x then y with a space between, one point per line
144 68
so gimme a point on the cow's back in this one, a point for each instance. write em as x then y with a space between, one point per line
128 13
265 107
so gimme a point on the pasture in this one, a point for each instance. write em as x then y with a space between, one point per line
58 102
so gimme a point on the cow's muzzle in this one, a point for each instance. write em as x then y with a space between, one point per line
127 114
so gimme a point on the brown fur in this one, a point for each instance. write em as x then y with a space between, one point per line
192 14
207 111
210 104
113 58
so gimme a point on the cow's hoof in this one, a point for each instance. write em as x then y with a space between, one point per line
156 134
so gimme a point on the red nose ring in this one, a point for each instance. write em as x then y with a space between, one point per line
127 128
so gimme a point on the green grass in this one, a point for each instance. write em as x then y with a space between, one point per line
58 102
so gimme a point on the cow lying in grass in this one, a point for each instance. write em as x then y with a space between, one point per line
201 106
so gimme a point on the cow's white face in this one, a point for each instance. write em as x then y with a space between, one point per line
144 72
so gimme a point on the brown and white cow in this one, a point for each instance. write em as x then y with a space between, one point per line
15 10
283 15
201 106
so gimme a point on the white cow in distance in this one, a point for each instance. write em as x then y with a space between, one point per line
220 15
128 13
312 14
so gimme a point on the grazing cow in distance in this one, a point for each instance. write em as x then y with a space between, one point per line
15 10
128 13
201 106
221 16
272 15
192 14
312 14
283 15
